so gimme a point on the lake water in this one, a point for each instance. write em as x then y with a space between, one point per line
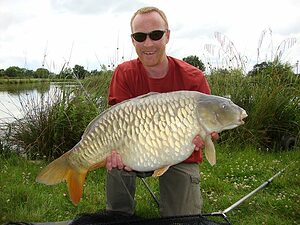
14 98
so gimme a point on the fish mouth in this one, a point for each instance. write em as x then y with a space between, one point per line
243 116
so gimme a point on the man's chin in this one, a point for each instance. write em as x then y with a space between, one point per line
149 63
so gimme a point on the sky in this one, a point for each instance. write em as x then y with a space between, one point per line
92 33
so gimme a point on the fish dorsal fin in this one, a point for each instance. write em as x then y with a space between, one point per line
160 171
146 95
210 151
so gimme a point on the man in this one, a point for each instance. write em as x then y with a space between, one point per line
154 71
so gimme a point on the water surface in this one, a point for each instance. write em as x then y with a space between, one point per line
15 99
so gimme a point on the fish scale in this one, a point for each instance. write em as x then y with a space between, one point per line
150 132
152 138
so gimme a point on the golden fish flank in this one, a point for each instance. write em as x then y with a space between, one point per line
150 132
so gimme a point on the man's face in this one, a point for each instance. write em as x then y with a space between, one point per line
150 52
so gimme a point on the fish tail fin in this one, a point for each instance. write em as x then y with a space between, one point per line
56 172
75 181
210 151
60 170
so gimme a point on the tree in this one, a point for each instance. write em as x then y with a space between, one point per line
79 71
41 73
2 72
13 71
194 61
275 70
28 73
66 73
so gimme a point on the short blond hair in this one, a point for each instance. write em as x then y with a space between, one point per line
150 9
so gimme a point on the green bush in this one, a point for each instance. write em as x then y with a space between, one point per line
270 94
53 126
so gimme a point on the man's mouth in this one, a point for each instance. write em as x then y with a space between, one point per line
149 53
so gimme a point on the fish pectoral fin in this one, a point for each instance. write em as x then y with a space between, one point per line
75 180
210 151
160 171
98 165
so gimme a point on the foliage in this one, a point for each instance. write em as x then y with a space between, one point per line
66 72
195 61
2 72
52 126
55 124
41 73
14 71
271 96
79 71
98 88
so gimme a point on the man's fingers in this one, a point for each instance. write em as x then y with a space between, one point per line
215 136
114 162
108 163
198 142
119 162
127 168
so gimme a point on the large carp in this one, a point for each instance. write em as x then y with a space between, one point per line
150 132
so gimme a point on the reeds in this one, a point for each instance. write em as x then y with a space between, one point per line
53 125
270 95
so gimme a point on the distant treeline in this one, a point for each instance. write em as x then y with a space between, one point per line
66 73
79 72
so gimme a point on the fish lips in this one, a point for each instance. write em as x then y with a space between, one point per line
243 116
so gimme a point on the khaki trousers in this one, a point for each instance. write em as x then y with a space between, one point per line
179 191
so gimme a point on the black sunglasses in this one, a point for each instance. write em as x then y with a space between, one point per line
153 35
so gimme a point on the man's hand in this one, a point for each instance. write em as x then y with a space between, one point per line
199 143
114 160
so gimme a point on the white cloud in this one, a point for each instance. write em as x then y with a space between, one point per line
93 32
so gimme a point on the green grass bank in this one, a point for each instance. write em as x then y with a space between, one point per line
237 173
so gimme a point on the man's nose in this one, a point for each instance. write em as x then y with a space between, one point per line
148 41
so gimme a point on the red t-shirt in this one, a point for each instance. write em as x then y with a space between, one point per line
130 80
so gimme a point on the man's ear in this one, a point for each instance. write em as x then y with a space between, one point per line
168 33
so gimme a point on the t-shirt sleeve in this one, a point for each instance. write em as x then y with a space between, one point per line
192 78
195 80
118 89
203 84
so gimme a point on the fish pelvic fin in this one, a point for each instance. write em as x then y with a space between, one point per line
160 171
210 151
98 165
60 170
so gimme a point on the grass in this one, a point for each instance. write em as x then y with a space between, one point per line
237 173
